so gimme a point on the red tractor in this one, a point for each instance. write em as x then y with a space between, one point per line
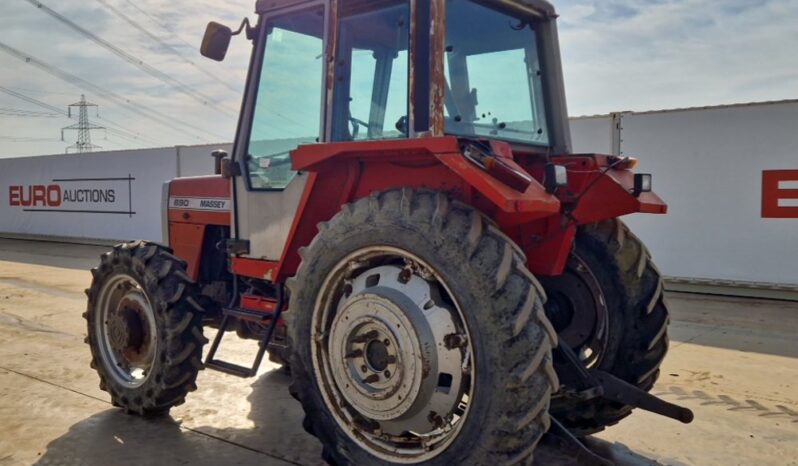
403 225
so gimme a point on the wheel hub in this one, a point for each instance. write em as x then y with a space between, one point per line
377 355
381 353
373 345
127 327
578 311
128 332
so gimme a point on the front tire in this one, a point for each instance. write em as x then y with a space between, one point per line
416 259
144 325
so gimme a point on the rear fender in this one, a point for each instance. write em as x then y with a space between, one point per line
514 207
343 172
610 195
596 193
593 194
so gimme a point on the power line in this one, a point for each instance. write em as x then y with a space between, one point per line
41 91
133 60
158 23
163 44
18 112
26 139
288 121
31 100
119 130
110 95
134 136
151 70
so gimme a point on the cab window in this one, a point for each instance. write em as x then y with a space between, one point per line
370 99
288 110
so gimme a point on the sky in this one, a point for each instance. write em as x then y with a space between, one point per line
154 89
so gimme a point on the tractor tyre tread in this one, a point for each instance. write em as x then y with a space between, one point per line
512 325
623 265
173 296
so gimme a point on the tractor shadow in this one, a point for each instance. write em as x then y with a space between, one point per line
273 435
277 420
113 438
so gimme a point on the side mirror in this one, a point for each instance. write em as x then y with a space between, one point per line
216 41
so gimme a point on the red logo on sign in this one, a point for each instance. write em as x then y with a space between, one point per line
779 201
34 196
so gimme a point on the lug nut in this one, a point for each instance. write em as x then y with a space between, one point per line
386 342
455 340
387 374
364 368
354 354
366 337
435 419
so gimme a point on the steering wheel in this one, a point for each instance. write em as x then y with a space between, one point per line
356 124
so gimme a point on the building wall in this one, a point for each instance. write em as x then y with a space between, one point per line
708 164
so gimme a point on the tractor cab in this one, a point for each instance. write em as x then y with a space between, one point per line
352 70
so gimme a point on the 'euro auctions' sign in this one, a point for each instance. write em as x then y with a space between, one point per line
98 196
76 195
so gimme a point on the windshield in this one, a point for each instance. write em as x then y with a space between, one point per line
493 76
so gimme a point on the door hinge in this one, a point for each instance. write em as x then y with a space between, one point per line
230 168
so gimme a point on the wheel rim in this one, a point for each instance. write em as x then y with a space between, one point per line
392 354
578 311
126 327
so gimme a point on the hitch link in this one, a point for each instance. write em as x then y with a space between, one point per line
618 390
595 383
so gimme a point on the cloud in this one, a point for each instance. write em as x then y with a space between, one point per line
677 53
617 55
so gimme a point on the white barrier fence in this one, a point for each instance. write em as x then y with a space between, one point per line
104 195
707 164
110 195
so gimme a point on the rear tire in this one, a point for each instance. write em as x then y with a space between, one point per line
144 328
499 301
637 340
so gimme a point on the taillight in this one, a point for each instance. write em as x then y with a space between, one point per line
508 175
497 167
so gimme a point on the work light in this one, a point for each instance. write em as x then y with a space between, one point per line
556 177
642 183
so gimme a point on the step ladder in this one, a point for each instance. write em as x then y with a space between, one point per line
229 314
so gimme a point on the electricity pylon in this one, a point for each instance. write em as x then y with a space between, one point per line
83 127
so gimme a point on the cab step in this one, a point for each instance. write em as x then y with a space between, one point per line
231 314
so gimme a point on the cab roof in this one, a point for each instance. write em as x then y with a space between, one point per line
542 8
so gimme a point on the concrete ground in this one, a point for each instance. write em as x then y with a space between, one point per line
733 361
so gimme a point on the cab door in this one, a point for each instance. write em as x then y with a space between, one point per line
283 108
